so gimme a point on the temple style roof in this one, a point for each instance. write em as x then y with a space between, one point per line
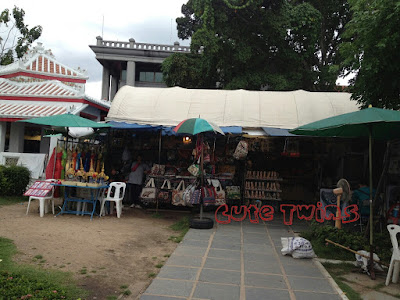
39 61
10 90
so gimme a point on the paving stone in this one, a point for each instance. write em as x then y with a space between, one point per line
220 276
196 243
260 257
223 264
310 284
192 251
217 291
182 273
228 239
185 261
289 260
168 287
197 235
257 248
271 267
259 293
151 297
231 233
301 270
260 240
219 253
224 245
318 296
264 281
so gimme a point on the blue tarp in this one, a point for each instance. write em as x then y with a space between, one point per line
271 131
123 125
165 129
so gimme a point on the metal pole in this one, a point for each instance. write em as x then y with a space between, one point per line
371 214
201 176
371 217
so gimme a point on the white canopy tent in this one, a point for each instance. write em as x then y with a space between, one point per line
251 109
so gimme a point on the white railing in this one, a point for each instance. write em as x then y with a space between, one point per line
143 46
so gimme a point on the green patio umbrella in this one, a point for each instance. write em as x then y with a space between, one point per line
374 123
66 120
197 126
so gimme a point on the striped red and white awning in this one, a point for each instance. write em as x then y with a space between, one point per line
27 110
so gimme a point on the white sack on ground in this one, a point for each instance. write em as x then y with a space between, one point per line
297 247
363 261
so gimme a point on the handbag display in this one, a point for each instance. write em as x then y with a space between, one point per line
149 192
157 169
195 197
241 150
164 194
233 192
177 194
220 193
187 193
208 194
194 169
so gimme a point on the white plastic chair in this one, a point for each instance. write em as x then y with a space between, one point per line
43 208
117 197
394 262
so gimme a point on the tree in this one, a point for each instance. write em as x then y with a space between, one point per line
258 44
372 52
17 37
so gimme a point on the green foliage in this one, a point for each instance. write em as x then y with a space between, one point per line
18 38
348 238
14 180
26 282
13 286
372 52
258 44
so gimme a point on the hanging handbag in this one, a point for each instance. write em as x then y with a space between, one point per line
187 193
233 192
241 150
149 192
157 169
177 194
220 193
165 192
195 197
208 194
194 169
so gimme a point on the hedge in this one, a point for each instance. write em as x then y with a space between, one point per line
13 180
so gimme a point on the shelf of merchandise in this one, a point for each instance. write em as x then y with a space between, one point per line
263 188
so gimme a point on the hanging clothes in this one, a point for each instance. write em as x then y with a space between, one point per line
50 166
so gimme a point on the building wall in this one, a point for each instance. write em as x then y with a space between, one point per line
123 63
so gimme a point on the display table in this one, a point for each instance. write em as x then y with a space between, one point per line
95 192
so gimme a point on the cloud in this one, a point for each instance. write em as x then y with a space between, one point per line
70 28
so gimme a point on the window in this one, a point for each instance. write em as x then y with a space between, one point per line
151 77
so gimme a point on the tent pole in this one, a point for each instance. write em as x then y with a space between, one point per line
201 176
159 163
371 214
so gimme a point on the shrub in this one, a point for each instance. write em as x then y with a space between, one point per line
14 180
349 238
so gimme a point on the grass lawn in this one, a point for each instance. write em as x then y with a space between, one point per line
29 282
8 200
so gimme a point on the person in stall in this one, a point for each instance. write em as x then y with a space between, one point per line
135 181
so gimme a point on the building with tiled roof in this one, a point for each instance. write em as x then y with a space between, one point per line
38 85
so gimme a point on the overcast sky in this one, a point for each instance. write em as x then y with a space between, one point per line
69 27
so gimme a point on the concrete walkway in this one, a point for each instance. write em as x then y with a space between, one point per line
239 261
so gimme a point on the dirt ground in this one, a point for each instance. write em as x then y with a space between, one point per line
114 252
